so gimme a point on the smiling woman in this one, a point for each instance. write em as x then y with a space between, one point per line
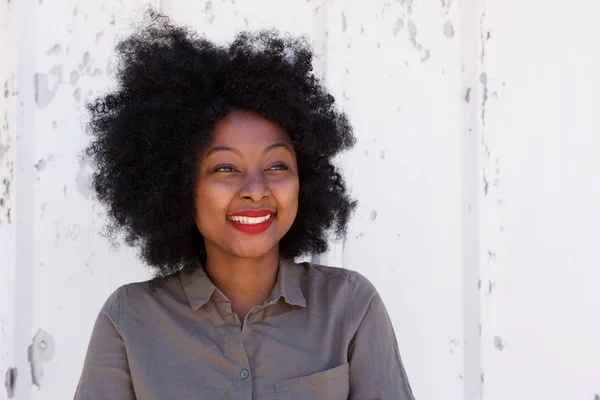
217 163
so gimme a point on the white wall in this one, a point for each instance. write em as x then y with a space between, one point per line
475 169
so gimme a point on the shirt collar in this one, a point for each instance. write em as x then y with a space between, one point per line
199 288
288 284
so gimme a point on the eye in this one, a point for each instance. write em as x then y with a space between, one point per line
225 168
278 167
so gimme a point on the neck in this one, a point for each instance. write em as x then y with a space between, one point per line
247 282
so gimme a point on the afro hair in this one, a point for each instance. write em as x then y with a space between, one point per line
172 86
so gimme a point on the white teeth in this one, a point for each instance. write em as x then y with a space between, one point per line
249 220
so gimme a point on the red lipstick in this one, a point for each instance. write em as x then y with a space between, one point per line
252 221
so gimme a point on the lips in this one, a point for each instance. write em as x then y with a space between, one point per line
252 221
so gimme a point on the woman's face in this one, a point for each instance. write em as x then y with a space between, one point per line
246 192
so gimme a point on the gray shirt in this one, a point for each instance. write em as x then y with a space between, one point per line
323 334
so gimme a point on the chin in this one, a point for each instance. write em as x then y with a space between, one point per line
253 250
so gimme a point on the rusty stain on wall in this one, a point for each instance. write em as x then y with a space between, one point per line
10 380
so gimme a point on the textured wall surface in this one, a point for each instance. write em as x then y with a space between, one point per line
476 171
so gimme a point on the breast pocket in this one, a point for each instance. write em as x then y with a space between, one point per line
332 384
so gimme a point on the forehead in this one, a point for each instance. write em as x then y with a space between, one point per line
244 128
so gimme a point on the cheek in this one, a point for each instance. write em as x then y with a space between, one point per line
212 199
287 195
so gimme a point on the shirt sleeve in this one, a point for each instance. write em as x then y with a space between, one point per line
105 372
376 370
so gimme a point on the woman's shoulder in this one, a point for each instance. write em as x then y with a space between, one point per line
334 279
325 272
135 294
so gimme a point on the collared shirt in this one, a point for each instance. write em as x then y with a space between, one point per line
323 334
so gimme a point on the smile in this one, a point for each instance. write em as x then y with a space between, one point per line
249 220
252 222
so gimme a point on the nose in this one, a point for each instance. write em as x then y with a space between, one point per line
255 187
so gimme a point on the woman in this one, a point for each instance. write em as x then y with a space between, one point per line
217 163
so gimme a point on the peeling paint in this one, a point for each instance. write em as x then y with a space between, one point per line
55 124
408 4
83 181
373 215
448 29
468 95
412 32
54 49
43 209
73 78
344 22
483 79
426 55
499 344
485 186
382 154
398 26
6 184
43 163
491 256
99 36
43 94
84 61
77 94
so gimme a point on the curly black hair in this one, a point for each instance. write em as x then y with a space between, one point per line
172 86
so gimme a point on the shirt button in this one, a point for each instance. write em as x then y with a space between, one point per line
244 374
251 316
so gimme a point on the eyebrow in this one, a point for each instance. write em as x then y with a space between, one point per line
276 145
216 149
